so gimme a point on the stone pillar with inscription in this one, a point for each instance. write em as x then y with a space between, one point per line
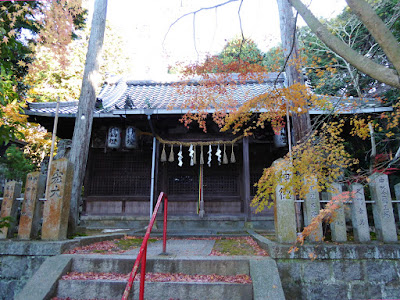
385 226
29 223
312 208
285 216
58 197
359 215
9 208
397 193
338 225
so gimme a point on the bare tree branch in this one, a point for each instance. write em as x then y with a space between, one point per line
197 11
362 63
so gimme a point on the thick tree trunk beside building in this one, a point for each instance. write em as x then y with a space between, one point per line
301 122
84 117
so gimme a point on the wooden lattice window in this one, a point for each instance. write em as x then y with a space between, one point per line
119 173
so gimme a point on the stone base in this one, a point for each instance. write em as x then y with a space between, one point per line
181 223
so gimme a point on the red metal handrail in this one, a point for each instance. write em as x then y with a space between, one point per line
141 258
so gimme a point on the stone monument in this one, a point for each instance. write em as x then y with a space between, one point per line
338 225
397 194
9 207
382 209
312 208
58 197
285 216
29 223
359 215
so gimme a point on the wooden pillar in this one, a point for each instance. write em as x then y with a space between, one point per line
201 191
164 178
153 175
84 115
246 178
156 171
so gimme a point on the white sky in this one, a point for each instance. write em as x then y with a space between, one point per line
145 23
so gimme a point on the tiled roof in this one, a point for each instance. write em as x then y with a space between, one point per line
119 97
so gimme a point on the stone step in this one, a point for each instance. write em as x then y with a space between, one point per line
187 265
213 223
109 289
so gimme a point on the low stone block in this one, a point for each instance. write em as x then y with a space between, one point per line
392 289
8 288
13 267
381 270
366 291
316 271
318 291
345 270
289 271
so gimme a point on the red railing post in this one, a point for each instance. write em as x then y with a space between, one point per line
143 249
165 224
143 274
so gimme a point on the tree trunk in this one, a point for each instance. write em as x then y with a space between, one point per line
301 122
84 117
378 30
362 63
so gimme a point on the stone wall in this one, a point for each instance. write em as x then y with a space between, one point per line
340 279
15 271
19 260
340 271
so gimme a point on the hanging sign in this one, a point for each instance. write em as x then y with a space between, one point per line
130 138
114 138
280 140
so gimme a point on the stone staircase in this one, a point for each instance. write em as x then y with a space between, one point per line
47 282
100 289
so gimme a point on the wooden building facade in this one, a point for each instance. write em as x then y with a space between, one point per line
130 159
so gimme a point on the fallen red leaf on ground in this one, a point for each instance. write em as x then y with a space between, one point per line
160 277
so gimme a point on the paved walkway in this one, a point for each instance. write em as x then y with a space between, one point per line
178 248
